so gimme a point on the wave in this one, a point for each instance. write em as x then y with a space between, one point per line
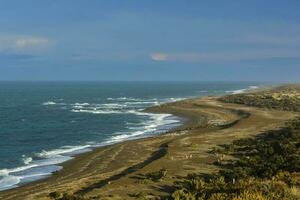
48 103
112 105
97 111
26 160
142 102
9 182
81 104
45 164
60 151
240 91
130 99
148 128
11 178
172 99
104 108
113 108
253 87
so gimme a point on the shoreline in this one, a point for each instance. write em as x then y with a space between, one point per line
183 120
86 153
78 150
160 129
167 120
194 121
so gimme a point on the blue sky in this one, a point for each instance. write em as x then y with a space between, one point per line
150 40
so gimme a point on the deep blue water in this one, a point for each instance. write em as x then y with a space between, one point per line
43 124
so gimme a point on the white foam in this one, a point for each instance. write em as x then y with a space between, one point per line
105 108
112 105
63 150
54 160
121 98
26 160
253 87
131 99
156 120
5 172
8 182
240 91
124 105
142 103
49 103
97 111
78 107
173 99
81 104
11 177
34 175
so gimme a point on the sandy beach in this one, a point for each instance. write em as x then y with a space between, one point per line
116 171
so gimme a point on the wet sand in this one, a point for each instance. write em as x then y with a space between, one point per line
117 171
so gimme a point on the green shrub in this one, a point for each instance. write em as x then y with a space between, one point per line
157 175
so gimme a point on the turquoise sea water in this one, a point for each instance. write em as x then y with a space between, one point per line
43 124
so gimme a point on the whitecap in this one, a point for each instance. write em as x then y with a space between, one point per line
26 160
49 103
240 91
145 128
62 150
253 87
95 111
81 104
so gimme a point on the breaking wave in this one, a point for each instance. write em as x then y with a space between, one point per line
240 91
49 103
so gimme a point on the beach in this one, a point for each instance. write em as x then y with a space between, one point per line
116 171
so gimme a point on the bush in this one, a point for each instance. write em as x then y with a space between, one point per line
65 196
158 175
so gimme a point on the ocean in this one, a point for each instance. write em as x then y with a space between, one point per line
43 124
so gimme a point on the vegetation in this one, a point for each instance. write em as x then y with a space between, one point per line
262 168
157 175
282 98
64 196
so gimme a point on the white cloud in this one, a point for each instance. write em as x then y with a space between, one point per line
159 56
31 42
15 44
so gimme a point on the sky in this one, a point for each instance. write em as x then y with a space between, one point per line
133 40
